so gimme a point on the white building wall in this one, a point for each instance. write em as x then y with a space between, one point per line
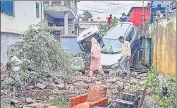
7 39
12 26
25 15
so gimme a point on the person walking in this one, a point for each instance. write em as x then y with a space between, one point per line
95 57
126 55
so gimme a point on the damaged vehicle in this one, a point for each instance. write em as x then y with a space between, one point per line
111 47
84 38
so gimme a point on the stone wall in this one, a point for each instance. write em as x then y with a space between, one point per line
163 35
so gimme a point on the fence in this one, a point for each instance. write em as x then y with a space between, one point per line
163 35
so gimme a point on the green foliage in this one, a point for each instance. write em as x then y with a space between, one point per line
45 54
134 88
144 29
104 28
60 102
152 82
86 15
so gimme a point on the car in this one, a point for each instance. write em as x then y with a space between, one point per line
84 38
111 48
110 45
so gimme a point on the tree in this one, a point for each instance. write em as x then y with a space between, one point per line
46 55
104 28
86 15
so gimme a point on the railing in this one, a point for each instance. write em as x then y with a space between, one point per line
60 28
56 28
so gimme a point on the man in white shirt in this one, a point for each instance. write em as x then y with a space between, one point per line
126 54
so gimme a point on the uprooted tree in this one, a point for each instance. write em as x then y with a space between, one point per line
48 60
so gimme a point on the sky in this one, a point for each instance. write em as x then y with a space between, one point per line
105 8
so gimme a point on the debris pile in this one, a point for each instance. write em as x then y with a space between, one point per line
44 58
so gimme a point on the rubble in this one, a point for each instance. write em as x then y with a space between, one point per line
29 101
41 86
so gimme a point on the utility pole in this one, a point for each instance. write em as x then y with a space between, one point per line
143 15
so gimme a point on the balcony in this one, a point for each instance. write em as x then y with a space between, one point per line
56 9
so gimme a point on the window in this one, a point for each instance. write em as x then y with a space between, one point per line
37 10
130 35
7 7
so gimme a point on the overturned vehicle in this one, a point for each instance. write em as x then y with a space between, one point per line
111 47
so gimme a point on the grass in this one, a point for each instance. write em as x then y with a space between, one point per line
60 102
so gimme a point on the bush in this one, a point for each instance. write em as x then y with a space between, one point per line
153 83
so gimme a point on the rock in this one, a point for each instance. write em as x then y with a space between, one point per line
14 101
34 105
84 86
112 73
29 100
141 83
121 85
88 80
134 74
3 92
133 81
138 77
69 87
98 82
29 87
61 86
112 80
41 86
51 107
40 105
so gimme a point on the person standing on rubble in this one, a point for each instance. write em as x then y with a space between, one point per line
126 55
95 57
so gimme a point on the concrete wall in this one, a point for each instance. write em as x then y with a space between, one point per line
25 15
7 39
164 46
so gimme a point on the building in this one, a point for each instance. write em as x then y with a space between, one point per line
86 24
62 15
163 3
16 16
136 15
165 7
